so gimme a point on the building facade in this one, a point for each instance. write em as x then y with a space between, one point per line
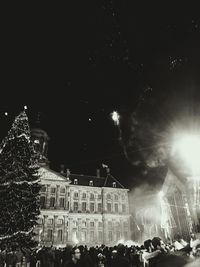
178 196
80 209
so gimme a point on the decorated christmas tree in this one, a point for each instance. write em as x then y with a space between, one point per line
19 187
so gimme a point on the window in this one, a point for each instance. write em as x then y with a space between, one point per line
60 221
91 183
92 196
92 207
75 223
125 235
42 202
114 184
83 236
91 224
123 197
52 202
109 207
84 196
74 235
75 195
43 189
100 224
60 235
110 235
99 207
53 190
62 190
109 224
75 181
83 206
99 196
84 224
116 197
118 235
75 206
100 236
116 207
62 202
91 235
49 234
125 224
108 196
50 221
117 224
123 208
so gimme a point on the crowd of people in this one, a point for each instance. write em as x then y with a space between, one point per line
153 253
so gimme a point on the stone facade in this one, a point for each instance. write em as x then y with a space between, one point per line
78 209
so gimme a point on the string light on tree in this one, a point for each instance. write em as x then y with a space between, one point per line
115 117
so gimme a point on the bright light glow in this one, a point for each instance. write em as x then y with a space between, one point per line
25 107
115 117
128 243
6 113
121 241
75 239
161 194
188 147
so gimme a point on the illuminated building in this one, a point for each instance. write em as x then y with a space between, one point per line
80 209
182 197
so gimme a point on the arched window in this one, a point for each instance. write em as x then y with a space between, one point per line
116 197
92 196
108 196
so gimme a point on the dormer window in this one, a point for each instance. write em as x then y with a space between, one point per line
75 181
91 183
114 184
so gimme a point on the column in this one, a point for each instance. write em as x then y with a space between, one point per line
70 202
66 207
43 237
54 229
88 230
96 231
57 197
48 197
65 229
88 201
122 228
79 229
70 228
79 200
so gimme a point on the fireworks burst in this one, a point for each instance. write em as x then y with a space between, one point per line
115 117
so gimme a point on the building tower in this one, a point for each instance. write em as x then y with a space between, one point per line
40 139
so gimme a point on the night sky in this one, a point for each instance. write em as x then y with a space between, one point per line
76 64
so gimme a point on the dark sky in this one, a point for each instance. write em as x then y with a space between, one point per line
78 62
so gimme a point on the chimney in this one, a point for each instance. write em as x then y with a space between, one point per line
98 173
108 170
62 168
68 173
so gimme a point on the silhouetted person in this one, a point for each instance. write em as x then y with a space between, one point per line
75 258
